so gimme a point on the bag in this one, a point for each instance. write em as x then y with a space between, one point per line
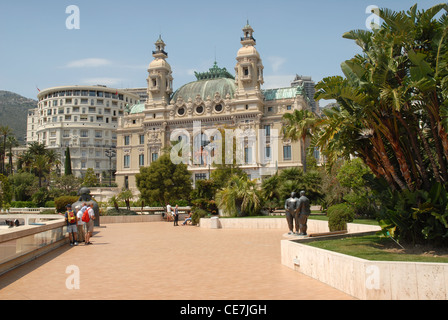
71 218
85 216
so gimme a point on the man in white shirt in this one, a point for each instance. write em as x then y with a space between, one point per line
168 212
80 224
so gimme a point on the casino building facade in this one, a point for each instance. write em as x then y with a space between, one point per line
193 113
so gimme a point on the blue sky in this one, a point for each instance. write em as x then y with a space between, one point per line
114 42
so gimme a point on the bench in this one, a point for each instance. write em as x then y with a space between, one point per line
277 212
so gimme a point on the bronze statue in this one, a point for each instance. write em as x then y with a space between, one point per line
303 212
291 206
85 197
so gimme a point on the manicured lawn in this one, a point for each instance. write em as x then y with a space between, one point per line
377 248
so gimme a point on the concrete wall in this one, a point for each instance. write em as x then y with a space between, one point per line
130 219
19 245
368 280
314 226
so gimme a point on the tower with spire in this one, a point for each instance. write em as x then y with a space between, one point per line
248 69
160 79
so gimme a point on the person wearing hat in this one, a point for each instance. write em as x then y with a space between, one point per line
72 228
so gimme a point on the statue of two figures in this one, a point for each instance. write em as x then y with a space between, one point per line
297 212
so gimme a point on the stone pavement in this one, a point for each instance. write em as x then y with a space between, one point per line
157 261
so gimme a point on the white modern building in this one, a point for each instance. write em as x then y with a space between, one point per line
83 118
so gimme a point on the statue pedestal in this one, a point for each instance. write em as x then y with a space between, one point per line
294 236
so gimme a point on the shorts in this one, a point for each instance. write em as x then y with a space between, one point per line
72 228
89 226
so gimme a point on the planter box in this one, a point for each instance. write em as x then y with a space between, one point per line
368 280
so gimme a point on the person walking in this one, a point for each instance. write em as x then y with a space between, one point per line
72 229
80 224
89 223
176 215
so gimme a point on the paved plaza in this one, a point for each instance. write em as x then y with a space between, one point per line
157 261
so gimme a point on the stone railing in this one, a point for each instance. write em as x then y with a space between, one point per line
29 210
28 219
21 244
365 279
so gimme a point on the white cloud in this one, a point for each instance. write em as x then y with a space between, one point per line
276 62
103 81
89 63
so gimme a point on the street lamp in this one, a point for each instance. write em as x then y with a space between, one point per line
110 153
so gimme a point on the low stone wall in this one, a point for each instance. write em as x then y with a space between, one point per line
314 226
19 245
131 219
368 280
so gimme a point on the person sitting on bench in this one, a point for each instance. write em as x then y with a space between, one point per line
187 219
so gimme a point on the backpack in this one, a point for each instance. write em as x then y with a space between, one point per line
85 216
71 218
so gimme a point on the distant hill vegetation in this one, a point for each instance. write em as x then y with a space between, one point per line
13 112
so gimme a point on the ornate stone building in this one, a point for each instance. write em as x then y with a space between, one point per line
192 114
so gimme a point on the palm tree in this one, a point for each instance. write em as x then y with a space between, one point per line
39 159
240 197
41 165
36 148
126 195
12 143
54 159
299 125
270 192
394 93
393 115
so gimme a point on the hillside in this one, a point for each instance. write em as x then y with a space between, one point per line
13 112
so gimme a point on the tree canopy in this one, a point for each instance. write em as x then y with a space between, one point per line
163 181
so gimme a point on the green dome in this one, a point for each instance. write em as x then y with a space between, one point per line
205 88
208 84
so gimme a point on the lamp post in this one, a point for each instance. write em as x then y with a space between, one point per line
110 153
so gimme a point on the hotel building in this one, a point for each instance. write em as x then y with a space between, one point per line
83 118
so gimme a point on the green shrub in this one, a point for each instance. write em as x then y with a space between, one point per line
61 202
197 214
23 204
339 215
49 204
48 211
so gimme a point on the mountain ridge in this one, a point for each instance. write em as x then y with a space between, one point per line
14 111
